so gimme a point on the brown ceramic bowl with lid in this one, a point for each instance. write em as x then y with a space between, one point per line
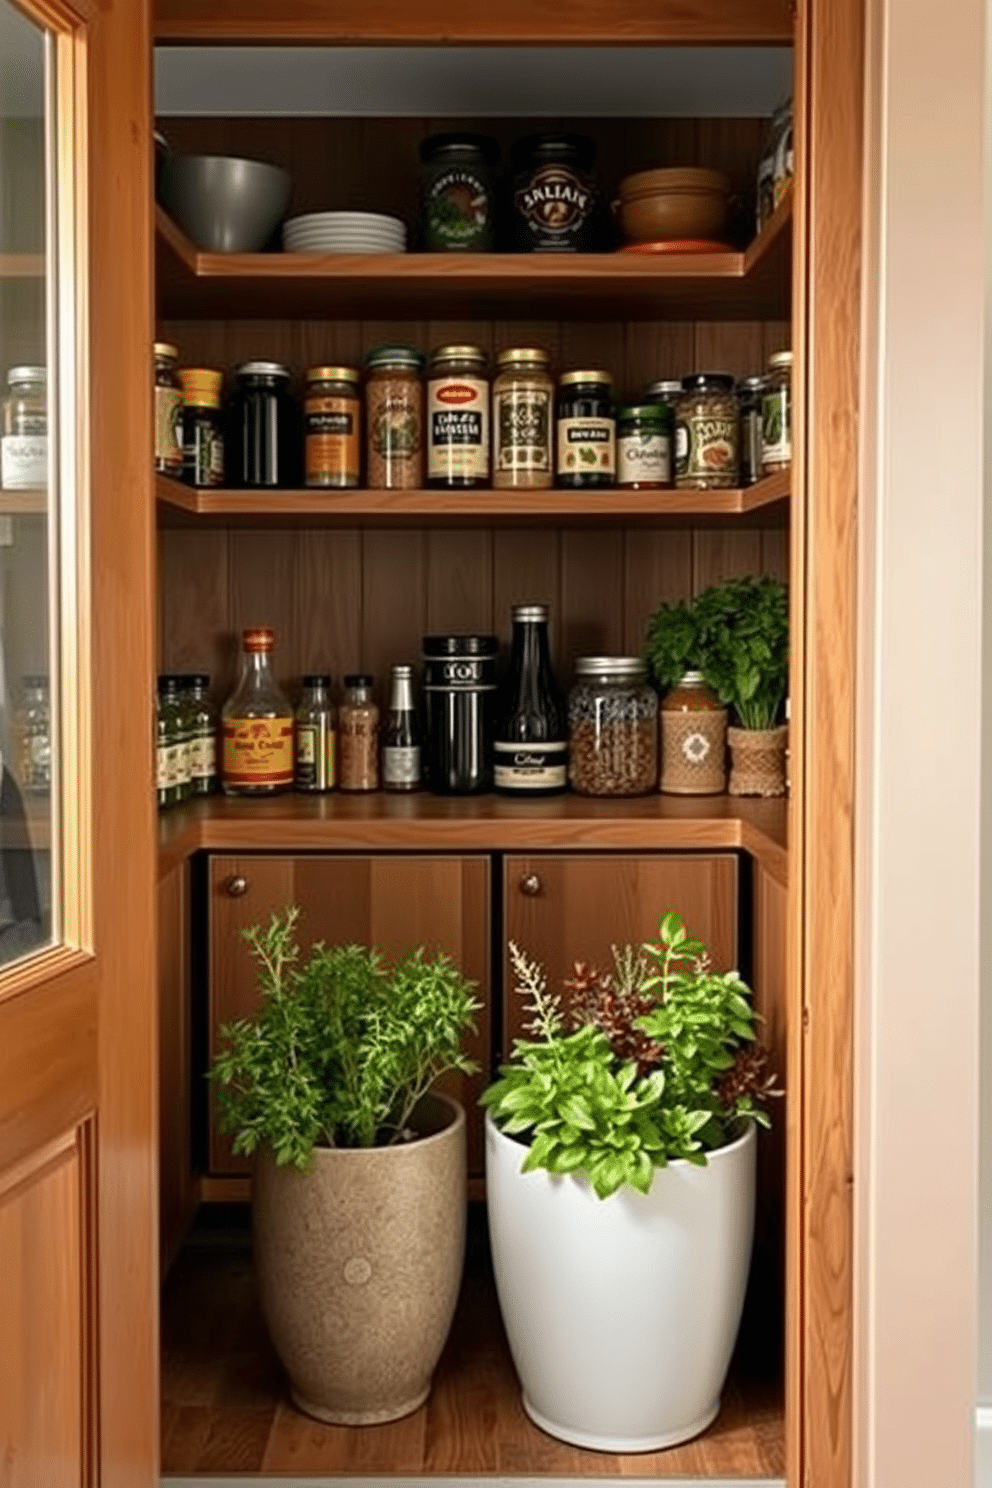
684 202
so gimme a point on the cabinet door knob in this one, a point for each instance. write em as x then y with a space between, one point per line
236 885
530 885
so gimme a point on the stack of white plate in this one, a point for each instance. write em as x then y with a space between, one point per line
344 232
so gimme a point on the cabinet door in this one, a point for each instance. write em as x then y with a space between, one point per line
394 903
566 909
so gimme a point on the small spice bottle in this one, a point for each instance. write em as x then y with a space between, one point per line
24 443
693 739
394 418
202 430
316 737
202 721
401 737
706 433
644 446
257 724
168 411
332 419
776 414
612 728
33 730
458 418
458 193
586 429
523 398
358 726
750 393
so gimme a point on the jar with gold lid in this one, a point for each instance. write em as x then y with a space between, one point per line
202 427
693 739
523 406
458 418
587 431
332 421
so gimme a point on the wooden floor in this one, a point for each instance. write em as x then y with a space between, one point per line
225 1406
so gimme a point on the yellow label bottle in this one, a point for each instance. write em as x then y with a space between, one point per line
257 725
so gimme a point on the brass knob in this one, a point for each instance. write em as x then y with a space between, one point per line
236 885
530 885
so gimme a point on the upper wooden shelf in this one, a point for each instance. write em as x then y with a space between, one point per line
449 22
753 285
23 503
22 266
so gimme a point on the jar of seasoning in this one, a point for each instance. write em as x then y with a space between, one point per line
202 719
612 728
458 193
203 435
586 428
264 448
776 414
706 433
316 742
332 417
667 391
554 194
644 446
394 419
750 391
460 702
693 739
358 729
24 442
523 396
458 417
168 411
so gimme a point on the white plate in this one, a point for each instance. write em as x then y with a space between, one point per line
352 249
343 237
346 219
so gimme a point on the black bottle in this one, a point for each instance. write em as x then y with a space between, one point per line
531 748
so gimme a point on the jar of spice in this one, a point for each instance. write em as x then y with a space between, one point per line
358 733
458 193
750 391
458 418
460 704
667 391
693 739
776 414
332 417
168 411
24 442
644 446
265 447
394 418
706 433
612 728
316 742
554 194
203 434
586 428
523 396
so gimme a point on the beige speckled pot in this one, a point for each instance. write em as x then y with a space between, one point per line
359 1261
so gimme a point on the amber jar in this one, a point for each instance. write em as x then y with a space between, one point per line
693 739
332 421
523 420
394 419
358 735
458 418
707 437
168 411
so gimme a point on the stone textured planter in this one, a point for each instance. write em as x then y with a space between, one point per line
757 761
359 1262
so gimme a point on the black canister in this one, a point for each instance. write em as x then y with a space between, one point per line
458 194
265 445
460 705
554 194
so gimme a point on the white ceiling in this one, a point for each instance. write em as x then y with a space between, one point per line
616 82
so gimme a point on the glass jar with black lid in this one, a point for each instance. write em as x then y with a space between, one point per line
458 193
554 194
460 709
265 444
586 431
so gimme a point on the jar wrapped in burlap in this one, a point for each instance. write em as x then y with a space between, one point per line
757 761
693 740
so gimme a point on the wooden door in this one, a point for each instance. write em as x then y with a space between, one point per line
395 903
78 1328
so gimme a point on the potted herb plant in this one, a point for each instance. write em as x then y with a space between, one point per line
620 1161
359 1188
693 722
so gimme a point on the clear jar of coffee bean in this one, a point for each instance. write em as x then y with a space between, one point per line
612 728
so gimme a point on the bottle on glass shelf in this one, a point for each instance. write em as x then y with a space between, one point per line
257 725
316 741
401 740
531 747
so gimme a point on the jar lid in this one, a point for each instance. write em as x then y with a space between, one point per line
625 668
751 384
460 645
406 357
333 374
529 612
262 369
669 387
196 679
780 359
513 356
708 382
459 354
648 413
692 679
169 681
201 386
316 679
402 670
468 147
165 349
568 379
36 375
573 149
258 638
359 679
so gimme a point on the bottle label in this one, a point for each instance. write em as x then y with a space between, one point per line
162 767
644 459
458 211
258 751
332 450
706 447
776 431
203 756
24 461
586 446
401 764
554 204
458 419
523 429
168 430
525 767
315 757
203 456
171 752
183 763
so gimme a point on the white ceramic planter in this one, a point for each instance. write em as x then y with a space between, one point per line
621 1313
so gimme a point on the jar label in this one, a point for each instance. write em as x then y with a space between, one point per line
586 446
162 767
458 210
395 433
258 751
168 430
172 764
706 448
554 204
523 429
203 456
332 453
776 430
645 459
24 462
203 756
526 767
458 412
401 764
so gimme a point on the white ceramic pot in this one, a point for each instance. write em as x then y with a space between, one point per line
621 1313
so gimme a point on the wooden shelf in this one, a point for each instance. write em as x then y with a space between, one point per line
179 503
22 266
753 285
422 822
23 503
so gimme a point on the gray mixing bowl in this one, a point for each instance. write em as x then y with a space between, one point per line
225 205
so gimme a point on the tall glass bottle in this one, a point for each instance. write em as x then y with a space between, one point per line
316 740
401 741
531 747
257 725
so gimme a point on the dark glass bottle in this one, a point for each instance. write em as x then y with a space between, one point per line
531 748
265 443
401 741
